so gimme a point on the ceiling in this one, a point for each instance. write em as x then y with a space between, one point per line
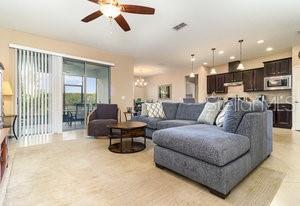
152 42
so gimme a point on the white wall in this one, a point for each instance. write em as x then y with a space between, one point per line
296 83
177 79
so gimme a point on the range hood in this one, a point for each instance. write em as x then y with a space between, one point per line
233 84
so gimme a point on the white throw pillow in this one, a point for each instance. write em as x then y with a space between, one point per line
210 112
155 110
144 111
221 116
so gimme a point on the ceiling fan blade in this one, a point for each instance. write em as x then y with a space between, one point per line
94 1
122 23
92 16
137 9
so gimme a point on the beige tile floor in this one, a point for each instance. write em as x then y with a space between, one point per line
71 169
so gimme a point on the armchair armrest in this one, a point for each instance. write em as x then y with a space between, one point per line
91 116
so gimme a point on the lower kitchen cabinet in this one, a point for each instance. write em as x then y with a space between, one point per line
282 115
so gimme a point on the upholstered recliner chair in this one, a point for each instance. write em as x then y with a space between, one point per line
100 118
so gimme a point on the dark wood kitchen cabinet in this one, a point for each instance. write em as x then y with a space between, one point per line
233 77
215 83
228 77
253 80
258 79
282 115
248 80
211 84
278 67
220 80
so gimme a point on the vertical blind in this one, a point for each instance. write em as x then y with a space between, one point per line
33 100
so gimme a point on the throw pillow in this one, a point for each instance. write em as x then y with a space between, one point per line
144 111
210 112
155 110
234 114
236 111
221 116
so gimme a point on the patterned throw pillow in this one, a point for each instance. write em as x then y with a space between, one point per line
155 110
210 112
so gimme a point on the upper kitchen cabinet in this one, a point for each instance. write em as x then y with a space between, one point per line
248 80
253 80
220 80
278 67
211 84
233 77
258 79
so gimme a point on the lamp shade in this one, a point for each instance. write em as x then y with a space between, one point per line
6 89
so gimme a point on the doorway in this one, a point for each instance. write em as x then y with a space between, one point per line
85 85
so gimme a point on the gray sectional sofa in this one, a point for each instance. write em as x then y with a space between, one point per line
208 154
176 115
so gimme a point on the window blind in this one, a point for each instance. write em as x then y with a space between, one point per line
33 93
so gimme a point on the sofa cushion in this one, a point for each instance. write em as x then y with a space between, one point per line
237 109
189 111
150 121
210 112
174 123
204 142
170 109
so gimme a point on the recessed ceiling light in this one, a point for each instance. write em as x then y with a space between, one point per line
260 41
205 63
232 57
269 49
221 52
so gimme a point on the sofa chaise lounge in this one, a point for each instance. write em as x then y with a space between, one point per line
206 153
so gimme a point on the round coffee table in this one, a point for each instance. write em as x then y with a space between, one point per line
127 130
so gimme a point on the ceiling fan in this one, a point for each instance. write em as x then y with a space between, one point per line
112 9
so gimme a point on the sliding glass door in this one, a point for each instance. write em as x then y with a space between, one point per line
85 85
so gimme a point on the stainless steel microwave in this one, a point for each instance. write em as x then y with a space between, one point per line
278 82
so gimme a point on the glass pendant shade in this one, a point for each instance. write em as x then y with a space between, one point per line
192 75
213 71
241 67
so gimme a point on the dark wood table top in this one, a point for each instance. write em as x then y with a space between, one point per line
127 125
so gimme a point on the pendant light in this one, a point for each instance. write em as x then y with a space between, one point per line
193 59
241 66
213 70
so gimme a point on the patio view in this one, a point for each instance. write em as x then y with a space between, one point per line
85 85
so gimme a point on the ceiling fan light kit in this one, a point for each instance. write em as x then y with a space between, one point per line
110 10
113 10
